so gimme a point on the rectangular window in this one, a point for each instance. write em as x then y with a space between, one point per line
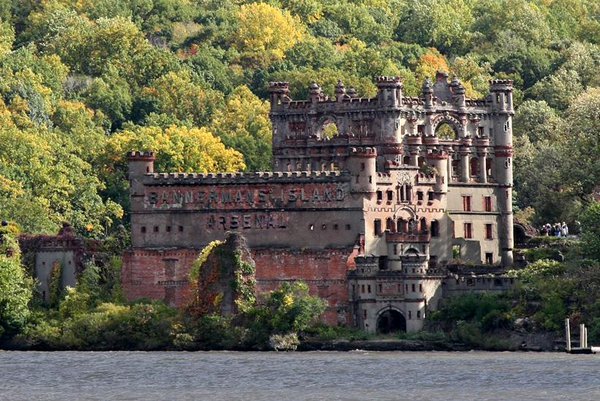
418 314
155 229
390 196
430 196
369 288
488 231
377 226
364 313
489 258
466 203
168 229
435 228
487 203
414 289
143 229
348 227
379 196
180 229
468 230
420 195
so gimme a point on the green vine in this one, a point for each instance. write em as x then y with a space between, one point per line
55 284
201 260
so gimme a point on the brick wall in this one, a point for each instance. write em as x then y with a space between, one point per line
163 274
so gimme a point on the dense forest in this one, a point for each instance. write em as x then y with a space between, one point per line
84 81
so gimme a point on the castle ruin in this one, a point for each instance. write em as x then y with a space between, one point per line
370 217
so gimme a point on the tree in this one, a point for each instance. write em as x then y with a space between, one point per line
265 33
558 89
444 24
245 126
429 64
7 37
581 163
537 121
177 94
590 230
15 286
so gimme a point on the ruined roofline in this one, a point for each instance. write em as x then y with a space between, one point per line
280 92
238 178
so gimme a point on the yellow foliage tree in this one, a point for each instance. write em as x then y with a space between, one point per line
179 149
430 63
265 33
244 125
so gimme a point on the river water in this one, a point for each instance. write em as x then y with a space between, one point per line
358 375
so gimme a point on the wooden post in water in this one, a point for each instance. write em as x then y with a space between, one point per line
581 335
568 334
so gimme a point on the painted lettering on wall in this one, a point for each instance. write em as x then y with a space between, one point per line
260 221
247 198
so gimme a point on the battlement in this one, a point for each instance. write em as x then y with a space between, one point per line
501 85
279 86
384 81
145 156
363 152
237 178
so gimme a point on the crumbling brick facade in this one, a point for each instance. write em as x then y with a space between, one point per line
368 218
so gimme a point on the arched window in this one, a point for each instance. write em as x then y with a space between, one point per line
488 165
329 129
446 131
474 166
406 160
423 225
456 167
389 225
402 225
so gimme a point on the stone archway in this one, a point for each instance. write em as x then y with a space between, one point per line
391 321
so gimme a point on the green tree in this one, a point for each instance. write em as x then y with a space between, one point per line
444 24
537 121
244 125
15 286
179 95
590 230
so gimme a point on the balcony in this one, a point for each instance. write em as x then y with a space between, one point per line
395 237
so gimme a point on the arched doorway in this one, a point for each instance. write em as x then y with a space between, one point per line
391 321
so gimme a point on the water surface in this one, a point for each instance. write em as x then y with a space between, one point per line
354 375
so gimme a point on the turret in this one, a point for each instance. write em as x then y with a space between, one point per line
139 164
389 91
361 163
459 93
501 99
279 93
389 98
501 95
439 160
428 93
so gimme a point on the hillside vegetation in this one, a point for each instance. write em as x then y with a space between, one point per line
84 81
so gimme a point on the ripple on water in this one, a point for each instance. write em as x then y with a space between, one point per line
345 376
